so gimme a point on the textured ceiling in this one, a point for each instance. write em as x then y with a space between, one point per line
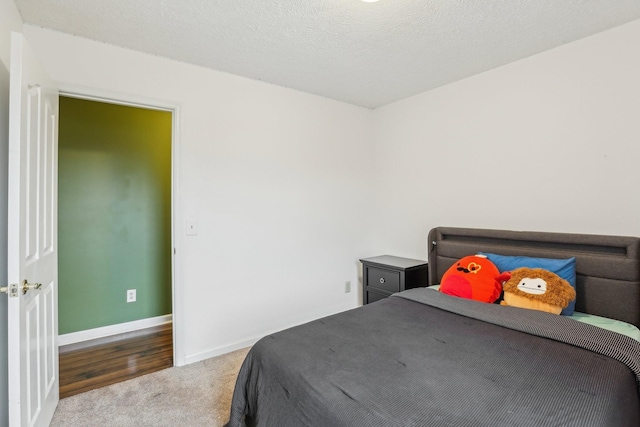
367 54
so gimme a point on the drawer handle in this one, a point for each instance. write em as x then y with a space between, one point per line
382 280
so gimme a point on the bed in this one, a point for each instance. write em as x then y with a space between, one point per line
423 358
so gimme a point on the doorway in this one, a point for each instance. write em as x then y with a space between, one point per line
114 217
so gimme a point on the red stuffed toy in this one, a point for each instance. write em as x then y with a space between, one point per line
474 277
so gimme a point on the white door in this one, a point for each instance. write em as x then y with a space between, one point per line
32 240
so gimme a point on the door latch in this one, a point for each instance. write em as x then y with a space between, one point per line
12 290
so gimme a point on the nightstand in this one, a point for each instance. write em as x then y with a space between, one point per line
384 275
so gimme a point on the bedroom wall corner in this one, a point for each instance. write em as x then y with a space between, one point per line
10 20
548 143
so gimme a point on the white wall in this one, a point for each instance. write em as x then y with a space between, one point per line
278 180
547 143
9 21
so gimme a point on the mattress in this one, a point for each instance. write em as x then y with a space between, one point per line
424 358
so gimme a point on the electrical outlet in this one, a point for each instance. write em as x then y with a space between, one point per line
347 287
131 295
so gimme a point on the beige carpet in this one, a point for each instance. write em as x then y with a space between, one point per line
194 395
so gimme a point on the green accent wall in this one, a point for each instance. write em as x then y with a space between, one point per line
114 213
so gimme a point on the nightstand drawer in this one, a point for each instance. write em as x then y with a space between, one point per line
374 296
383 279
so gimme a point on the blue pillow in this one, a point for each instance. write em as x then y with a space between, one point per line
565 268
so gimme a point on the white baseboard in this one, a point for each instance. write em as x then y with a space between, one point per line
112 330
220 351
192 358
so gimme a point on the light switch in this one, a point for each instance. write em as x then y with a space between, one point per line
191 227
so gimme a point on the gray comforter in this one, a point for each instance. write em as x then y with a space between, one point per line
412 360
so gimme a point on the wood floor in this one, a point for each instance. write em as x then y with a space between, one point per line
103 364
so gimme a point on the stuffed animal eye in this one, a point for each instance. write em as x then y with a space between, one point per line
473 267
533 286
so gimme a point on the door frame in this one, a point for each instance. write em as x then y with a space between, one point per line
109 97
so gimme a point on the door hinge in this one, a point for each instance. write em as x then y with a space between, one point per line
12 290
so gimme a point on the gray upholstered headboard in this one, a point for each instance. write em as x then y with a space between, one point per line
607 267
